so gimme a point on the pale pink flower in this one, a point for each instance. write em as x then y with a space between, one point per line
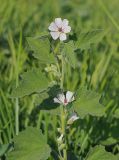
64 99
72 118
59 28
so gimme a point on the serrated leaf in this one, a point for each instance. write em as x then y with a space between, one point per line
68 50
30 145
41 49
32 81
99 153
86 39
87 102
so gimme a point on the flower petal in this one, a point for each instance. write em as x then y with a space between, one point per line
53 27
65 22
58 22
73 118
61 97
55 35
56 100
67 29
62 37
69 96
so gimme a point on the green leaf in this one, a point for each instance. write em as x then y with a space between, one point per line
109 141
40 98
87 102
117 156
86 39
68 50
43 34
53 111
30 145
3 149
41 49
48 106
45 100
99 153
116 113
32 81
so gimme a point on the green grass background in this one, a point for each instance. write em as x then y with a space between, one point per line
99 66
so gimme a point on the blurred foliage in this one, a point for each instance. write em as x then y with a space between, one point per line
98 68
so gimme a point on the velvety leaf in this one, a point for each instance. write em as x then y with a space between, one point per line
32 81
70 54
41 49
86 39
87 102
99 153
30 145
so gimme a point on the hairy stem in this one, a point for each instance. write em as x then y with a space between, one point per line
62 109
62 77
63 114
63 127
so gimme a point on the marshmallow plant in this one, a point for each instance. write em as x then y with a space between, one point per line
55 50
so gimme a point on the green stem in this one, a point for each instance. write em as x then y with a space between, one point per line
62 77
56 48
62 109
63 126
63 113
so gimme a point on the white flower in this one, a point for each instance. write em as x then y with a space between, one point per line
73 118
59 28
64 99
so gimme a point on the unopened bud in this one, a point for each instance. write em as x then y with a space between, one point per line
60 139
62 146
